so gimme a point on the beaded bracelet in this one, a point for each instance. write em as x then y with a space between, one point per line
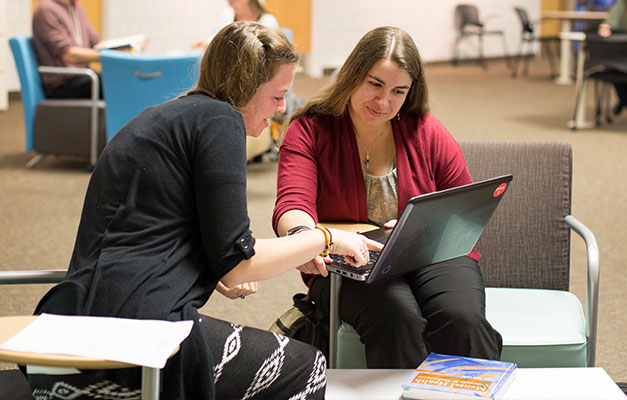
328 238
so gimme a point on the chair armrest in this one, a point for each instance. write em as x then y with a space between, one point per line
95 81
95 95
592 292
46 69
31 277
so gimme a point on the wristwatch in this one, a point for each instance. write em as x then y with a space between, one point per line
297 229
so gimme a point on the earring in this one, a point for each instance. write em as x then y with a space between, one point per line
398 116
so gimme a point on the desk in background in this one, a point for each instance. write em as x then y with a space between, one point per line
567 18
529 384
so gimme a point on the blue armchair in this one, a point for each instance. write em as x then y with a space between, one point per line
133 82
57 126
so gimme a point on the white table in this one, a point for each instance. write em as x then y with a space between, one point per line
567 18
529 384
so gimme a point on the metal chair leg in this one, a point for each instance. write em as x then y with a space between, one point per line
334 318
481 59
35 160
150 383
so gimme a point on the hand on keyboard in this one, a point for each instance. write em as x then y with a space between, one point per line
340 260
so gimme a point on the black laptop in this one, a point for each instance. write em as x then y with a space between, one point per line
433 227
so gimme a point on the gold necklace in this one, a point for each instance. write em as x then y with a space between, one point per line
359 139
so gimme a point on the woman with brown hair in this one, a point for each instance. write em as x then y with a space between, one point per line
357 152
165 222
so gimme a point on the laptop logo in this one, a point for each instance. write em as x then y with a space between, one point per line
500 190
386 269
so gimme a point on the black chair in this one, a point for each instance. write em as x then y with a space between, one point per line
605 64
527 37
468 24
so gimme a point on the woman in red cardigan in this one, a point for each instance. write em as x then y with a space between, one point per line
357 152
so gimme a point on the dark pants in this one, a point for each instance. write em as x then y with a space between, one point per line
255 364
439 308
77 87
621 92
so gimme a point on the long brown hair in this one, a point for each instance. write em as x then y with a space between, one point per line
240 58
380 43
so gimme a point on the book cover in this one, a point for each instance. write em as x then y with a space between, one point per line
442 376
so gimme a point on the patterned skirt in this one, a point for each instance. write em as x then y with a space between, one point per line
249 363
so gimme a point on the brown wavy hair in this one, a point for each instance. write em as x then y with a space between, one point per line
240 58
380 43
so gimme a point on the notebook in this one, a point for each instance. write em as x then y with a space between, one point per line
433 227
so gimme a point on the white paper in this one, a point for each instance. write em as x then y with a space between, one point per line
135 341
133 41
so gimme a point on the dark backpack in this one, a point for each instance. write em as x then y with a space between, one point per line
304 322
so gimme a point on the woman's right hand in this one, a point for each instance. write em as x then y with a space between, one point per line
354 247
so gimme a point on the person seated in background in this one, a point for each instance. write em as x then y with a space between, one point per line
242 10
63 37
616 20
357 152
174 226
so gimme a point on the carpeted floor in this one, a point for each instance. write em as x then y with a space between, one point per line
40 208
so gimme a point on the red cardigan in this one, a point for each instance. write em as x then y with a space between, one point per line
320 170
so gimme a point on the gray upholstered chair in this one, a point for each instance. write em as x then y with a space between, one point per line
525 260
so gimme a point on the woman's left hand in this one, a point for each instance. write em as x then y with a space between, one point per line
239 291
390 224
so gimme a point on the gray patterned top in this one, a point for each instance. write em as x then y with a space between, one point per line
382 195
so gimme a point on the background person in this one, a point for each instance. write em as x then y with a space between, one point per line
165 220
242 10
616 20
357 152
63 37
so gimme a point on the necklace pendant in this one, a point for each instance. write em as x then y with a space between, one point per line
367 161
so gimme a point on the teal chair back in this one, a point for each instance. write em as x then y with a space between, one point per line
26 62
133 82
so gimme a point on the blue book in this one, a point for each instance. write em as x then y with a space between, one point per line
442 376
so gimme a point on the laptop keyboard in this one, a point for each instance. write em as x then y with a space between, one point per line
340 261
